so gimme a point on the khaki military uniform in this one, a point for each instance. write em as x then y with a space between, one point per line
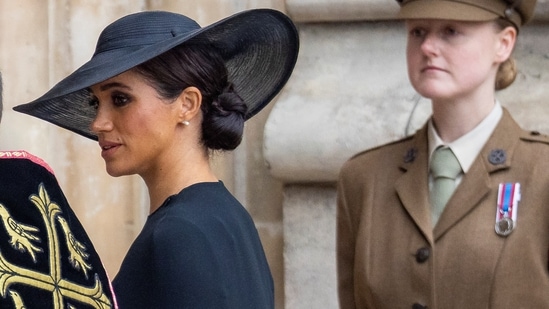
389 256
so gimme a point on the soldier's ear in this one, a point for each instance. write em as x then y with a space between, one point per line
506 39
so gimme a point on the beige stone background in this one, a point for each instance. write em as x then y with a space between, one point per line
349 92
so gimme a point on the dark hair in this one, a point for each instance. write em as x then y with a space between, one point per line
201 66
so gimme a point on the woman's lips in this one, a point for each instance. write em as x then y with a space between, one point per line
108 148
431 68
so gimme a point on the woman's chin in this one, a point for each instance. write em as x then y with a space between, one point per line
116 172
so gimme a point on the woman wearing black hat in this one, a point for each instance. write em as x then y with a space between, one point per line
160 94
454 216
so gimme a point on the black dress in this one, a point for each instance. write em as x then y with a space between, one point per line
200 249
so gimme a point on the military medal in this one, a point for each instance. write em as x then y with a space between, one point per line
506 215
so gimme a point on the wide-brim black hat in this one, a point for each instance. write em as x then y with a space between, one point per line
260 49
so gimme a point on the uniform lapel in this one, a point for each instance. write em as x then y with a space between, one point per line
475 185
412 187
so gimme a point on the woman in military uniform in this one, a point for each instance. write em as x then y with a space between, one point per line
405 240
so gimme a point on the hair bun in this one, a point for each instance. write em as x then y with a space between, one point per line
229 102
506 74
223 125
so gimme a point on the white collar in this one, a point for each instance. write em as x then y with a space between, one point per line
467 147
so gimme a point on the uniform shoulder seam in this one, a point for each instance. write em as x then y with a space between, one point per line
535 136
404 139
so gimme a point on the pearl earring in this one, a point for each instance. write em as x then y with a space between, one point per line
185 123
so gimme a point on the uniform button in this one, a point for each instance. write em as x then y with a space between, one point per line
418 306
497 156
422 255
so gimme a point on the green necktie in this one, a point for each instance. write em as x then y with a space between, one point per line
444 170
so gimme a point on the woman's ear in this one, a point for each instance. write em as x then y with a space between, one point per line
506 43
189 101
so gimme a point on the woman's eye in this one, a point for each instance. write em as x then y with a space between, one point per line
417 33
450 31
120 100
94 103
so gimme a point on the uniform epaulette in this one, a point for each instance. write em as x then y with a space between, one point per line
535 136
404 139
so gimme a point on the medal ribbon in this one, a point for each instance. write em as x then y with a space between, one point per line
509 195
505 203
506 214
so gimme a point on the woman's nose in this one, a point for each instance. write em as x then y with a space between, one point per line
430 44
102 121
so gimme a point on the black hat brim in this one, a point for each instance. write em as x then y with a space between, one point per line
260 49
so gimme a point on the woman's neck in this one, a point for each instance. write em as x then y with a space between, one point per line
185 170
453 119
